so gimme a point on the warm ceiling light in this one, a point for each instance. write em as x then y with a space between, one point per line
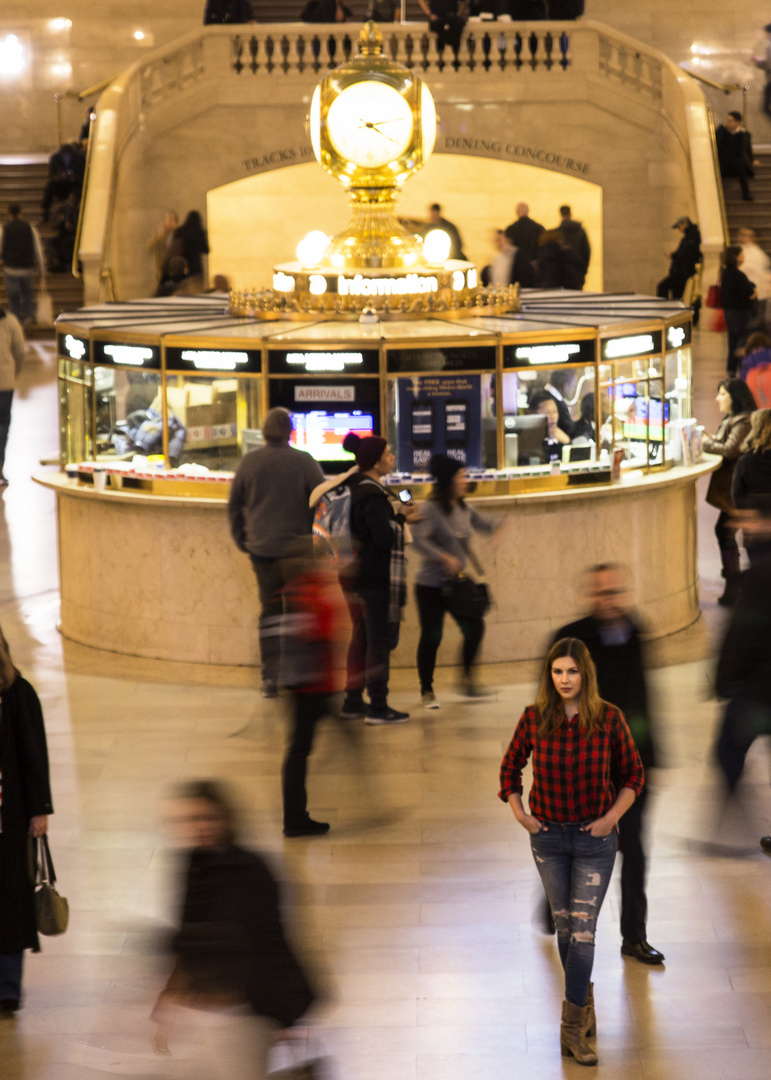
57 25
12 57
139 35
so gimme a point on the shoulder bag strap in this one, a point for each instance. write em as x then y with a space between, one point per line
472 557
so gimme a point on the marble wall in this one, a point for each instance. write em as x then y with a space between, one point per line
163 578
100 42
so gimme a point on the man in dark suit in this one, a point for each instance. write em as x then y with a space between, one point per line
524 233
734 152
612 635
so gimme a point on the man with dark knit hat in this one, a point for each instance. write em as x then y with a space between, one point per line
377 532
269 513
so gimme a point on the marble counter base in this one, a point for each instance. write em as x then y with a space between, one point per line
165 580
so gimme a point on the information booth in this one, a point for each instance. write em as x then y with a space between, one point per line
572 417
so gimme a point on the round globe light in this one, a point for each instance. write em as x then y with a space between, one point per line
310 250
436 247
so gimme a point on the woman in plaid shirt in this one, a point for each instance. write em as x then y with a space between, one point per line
573 736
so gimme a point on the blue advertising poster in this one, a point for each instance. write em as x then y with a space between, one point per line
438 414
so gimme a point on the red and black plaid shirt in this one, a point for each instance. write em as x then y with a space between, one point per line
571 774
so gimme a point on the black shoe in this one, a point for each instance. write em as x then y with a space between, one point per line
386 716
643 952
730 593
353 709
308 828
269 689
765 843
9 1005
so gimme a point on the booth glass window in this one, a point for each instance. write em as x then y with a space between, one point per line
125 399
549 416
75 383
212 420
638 411
447 414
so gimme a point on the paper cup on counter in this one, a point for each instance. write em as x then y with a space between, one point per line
100 480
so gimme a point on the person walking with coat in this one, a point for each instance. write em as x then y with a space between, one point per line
613 635
236 982
11 360
739 295
25 803
577 743
377 533
268 510
683 261
735 401
751 481
443 537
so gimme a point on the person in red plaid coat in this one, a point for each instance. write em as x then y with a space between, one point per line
573 737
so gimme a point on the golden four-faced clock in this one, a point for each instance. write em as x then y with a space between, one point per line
372 124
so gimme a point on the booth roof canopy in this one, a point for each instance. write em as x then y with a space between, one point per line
208 316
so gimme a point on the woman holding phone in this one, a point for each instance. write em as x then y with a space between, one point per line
574 738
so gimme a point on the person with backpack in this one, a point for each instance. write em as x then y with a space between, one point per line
377 532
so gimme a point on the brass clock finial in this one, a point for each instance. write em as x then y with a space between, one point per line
370 39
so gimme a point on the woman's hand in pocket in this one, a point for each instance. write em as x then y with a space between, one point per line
603 826
532 824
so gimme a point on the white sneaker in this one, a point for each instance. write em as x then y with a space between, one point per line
428 701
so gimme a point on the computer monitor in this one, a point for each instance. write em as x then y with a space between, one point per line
321 432
531 432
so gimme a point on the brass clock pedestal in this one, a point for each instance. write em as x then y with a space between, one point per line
374 238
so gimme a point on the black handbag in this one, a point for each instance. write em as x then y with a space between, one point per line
52 911
464 597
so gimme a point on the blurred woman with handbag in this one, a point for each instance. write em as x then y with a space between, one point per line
735 401
442 536
738 295
25 803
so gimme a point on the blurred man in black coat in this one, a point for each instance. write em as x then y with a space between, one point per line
734 152
525 233
612 635
744 663
683 261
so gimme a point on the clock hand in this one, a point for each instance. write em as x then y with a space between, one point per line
374 127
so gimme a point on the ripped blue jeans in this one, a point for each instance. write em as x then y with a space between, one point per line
575 869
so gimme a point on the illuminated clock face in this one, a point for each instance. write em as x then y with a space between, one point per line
370 124
427 121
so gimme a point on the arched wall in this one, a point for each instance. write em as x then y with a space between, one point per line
476 193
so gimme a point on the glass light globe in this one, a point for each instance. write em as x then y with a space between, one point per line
436 246
310 250
317 284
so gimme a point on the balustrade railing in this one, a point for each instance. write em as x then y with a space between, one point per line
509 49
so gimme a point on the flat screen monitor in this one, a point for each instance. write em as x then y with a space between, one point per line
321 433
531 432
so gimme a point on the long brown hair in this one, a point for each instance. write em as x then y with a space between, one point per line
548 703
8 672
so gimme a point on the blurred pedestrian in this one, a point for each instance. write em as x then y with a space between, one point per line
313 627
574 235
744 662
757 353
268 511
524 233
160 241
443 538
11 360
734 152
509 266
613 634
559 266
236 983
377 531
682 261
332 524
751 482
22 256
757 267
25 803
575 740
227 12
436 221
736 403
739 298
189 242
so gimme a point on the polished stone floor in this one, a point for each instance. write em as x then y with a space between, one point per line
417 910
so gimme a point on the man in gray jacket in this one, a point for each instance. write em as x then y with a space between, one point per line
269 513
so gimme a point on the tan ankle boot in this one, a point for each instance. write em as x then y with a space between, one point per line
591 1016
572 1040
